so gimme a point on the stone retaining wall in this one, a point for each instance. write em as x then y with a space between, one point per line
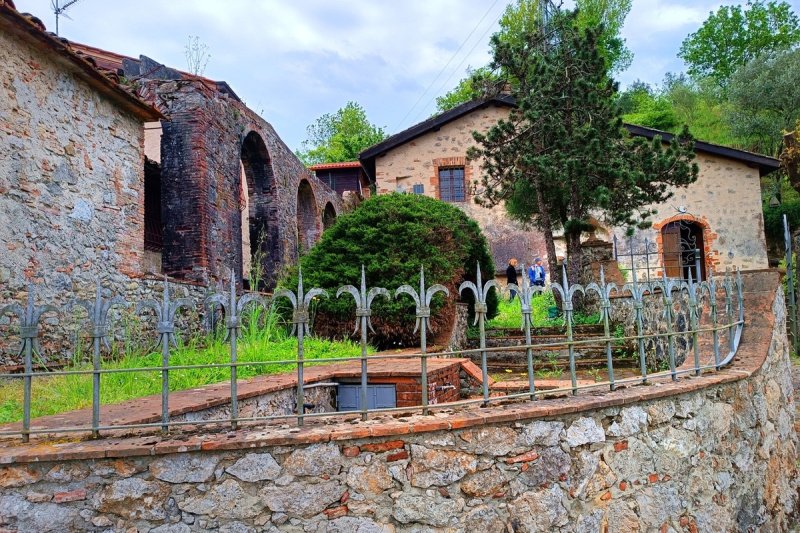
715 453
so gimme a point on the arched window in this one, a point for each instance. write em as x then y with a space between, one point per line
683 250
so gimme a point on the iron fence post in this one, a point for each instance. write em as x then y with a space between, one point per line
165 328
712 292
98 318
666 288
481 291
647 259
363 300
567 293
787 237
694 320
603 291
300 325
29 344
422 299
637 293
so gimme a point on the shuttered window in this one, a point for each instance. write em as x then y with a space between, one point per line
451 184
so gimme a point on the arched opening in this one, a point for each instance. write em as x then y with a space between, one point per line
307 218
683 250
328 216
255 182
153 227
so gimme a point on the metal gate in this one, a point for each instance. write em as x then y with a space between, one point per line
682 250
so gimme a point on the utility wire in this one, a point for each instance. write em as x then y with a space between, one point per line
466 39
458 68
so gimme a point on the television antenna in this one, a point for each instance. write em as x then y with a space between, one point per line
60 9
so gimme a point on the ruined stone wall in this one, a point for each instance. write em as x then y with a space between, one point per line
418 162
201 150
71 178
686 457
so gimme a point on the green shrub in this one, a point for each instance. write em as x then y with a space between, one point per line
393 235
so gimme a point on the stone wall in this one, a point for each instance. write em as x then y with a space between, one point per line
71 178
716 453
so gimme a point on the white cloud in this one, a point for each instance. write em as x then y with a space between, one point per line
298 59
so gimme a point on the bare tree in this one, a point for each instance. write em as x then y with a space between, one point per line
197 55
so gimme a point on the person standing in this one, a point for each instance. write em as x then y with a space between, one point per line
536 273
511 276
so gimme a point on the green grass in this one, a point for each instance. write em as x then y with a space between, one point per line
509 314
263 339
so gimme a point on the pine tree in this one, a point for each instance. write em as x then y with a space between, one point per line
563 154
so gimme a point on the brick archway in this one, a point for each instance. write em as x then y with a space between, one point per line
308 221
256 184
710 255
328 216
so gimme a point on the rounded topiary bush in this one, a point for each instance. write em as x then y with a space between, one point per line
394 235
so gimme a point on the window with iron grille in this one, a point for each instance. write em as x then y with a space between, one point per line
451 184
419 189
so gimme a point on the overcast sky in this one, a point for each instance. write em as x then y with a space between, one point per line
294 60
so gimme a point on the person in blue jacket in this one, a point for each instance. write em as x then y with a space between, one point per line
536 273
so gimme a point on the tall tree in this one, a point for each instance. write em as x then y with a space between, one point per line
340 136
525 16
563 155
734 36
764 98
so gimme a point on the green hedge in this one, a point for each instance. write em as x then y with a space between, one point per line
394 235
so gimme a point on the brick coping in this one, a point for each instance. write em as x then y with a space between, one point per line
752 353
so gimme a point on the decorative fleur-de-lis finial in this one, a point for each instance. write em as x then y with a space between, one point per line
28 320
363 300
422 299
567 292
481 291
603 291
526 293
300 304
233 306
98 311
165 312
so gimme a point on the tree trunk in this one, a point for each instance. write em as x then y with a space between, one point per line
575 265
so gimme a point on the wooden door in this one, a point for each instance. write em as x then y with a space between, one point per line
671 250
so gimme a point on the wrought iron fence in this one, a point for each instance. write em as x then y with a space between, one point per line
642 259
728 289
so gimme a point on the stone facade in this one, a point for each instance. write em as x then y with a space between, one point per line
725 200
71 176
418 163
697 455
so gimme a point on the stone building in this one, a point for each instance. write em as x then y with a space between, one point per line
71 164
720 214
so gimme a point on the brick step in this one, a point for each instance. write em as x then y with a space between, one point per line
547 330
560 342
580 364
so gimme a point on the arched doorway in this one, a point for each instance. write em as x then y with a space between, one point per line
683 250
328 216
307 217
256 182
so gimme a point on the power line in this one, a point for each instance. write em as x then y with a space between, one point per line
457 69
466 39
